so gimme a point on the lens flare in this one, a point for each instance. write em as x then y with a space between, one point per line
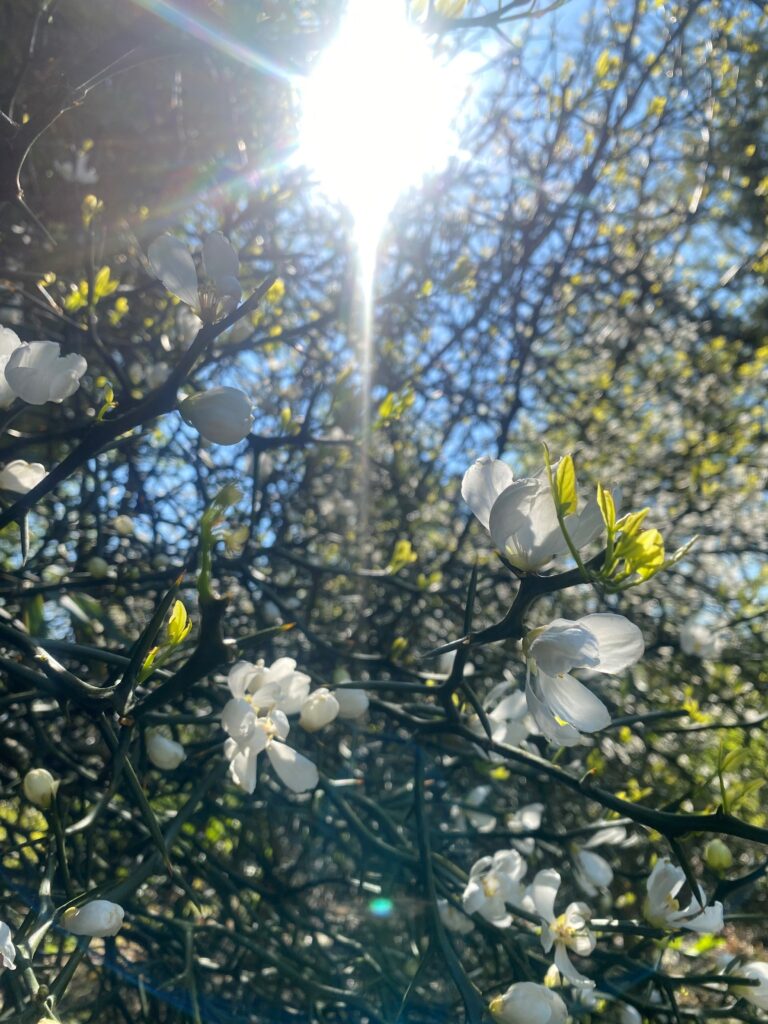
377 114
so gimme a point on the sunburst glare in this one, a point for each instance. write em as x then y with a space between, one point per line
377 114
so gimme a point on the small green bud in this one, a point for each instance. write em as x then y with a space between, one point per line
717 855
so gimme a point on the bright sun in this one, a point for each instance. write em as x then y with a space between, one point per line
377 114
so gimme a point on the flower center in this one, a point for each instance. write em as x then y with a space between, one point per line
490 886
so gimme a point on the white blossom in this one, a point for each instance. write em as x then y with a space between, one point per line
20 476
562 707
700 640
525 1002
250 734
256 720
525 819
568 931
38 373
663 910
278 686
9 342
469 814
507 713
520 515
77 172
755 994
7 948
40 787
163 752
172 263
493 883
318 709
98 919
222 415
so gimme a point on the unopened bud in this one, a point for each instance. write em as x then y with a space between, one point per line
40 787
352 702
318 709
717 855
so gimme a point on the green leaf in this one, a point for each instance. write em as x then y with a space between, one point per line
565 485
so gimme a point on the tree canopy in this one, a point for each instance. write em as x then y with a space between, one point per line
288 730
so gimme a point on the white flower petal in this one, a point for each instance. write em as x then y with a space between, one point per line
7 948
172 263
620 642
573 703
595 868
566 968
563 645
483 483
219 258
544 892
584 526
37 373
240 676
238 719
560 733
523 525
296 771
242 764
9 342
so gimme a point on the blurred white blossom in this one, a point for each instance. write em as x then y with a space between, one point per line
662 908
20 476
493 883
568 931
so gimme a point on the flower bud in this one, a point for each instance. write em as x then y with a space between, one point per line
318 709
164 753
98 919
352 703
40 787
97 567
717 855
222 415
526 1001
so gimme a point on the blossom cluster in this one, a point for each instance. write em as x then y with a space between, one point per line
532 522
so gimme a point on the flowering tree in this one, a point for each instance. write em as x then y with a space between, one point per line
414 682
